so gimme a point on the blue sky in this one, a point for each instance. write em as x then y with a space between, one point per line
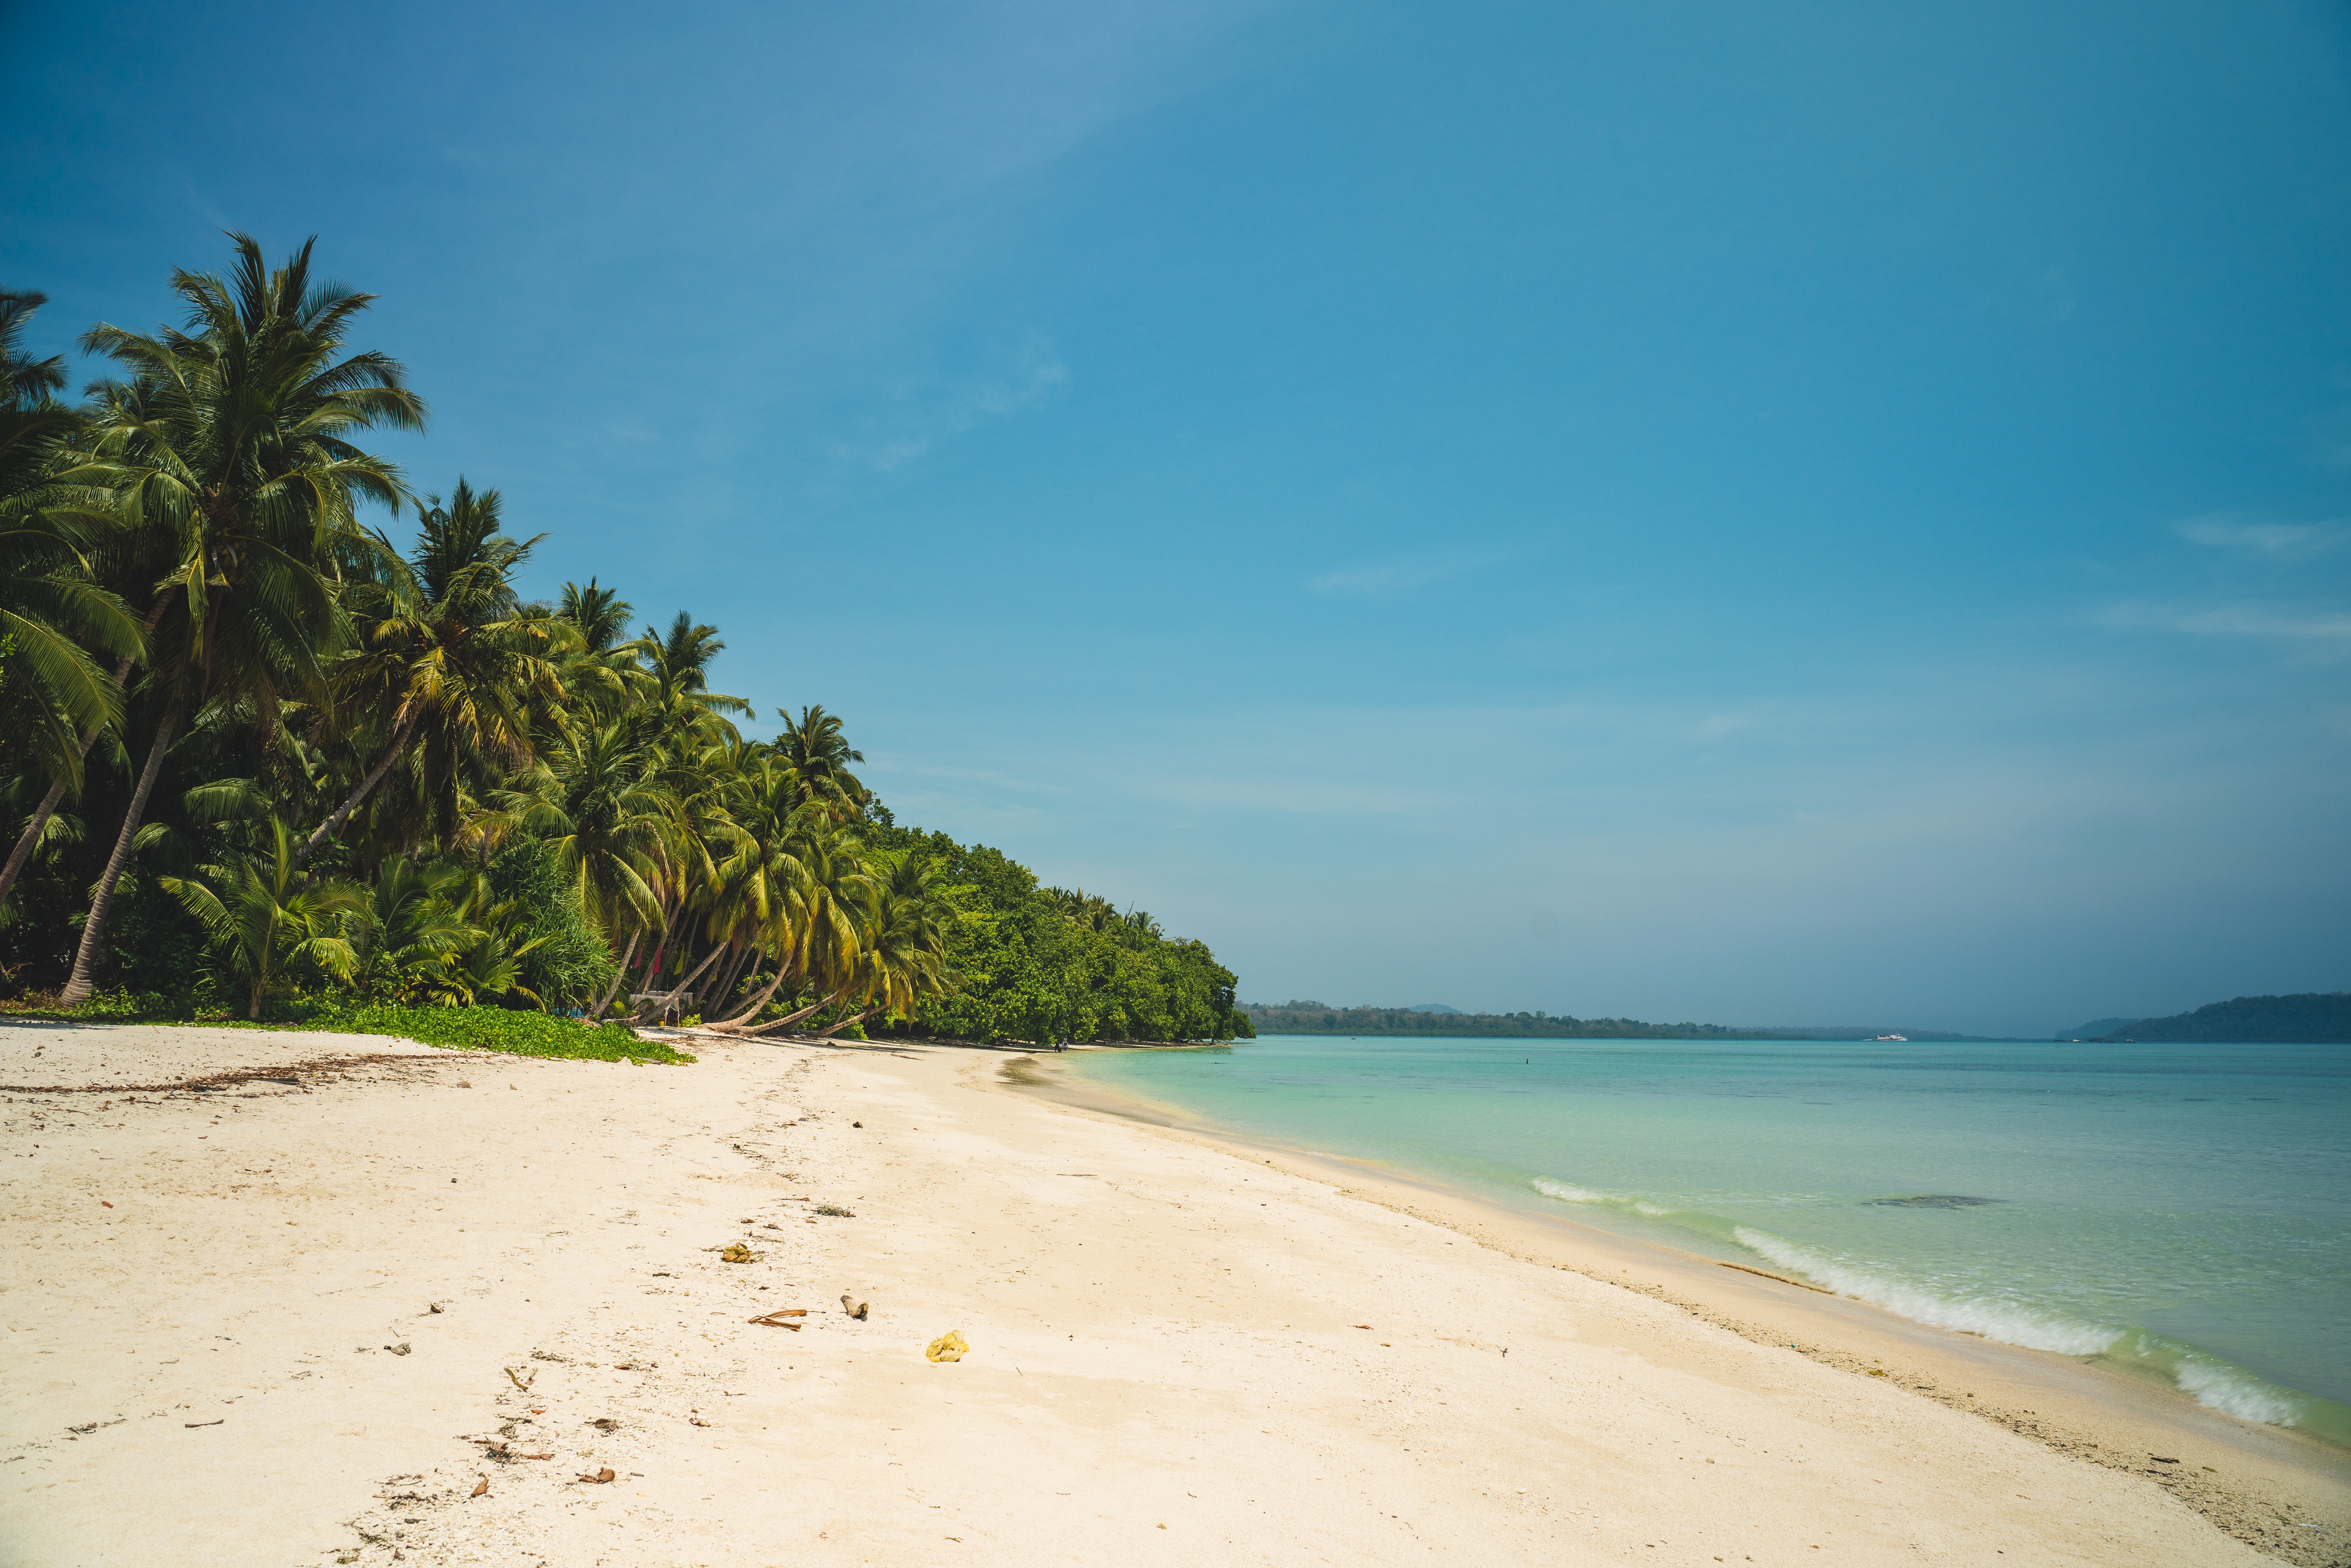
1800 514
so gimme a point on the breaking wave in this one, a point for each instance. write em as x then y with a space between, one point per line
1567 1192
2206 1379
2216 1383
2004 1320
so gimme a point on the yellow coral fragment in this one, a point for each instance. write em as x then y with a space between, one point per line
948 1346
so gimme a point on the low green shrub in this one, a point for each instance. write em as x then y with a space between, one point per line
120 1006
456 1028
493 1028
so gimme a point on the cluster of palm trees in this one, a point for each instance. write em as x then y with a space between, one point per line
362 732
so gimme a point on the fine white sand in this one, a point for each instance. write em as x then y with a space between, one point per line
1164 1363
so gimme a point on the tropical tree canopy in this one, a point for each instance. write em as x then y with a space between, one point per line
332 761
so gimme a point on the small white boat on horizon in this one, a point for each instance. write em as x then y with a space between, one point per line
1903 1038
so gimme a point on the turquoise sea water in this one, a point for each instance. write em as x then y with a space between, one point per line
2181 1211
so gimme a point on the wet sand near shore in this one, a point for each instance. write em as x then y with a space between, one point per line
2287 1493
1180 1353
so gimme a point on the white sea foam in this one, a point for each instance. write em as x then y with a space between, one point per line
2002 1321
1569 1194
2208 1382
2237 1391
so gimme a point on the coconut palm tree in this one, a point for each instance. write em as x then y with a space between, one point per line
596 675
592 800
675 686
763 885
813 935
264 918
443 652
601 614
817 752
403 929
902 943
486 966
52 611
226 445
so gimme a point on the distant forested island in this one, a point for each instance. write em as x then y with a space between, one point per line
1315 1018
1436 1019
2306 1018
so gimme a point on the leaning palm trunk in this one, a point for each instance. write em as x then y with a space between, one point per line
745 975
606 999
93 929
708 958
728 973
791 1018
828 1030
741 1019
686 980
48 807
652 965
360 792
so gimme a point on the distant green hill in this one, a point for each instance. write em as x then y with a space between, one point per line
2097 1028
2309 1017
1301 1017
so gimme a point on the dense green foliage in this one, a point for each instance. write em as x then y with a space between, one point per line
327 772
2306 1018
1315 1018
1039 963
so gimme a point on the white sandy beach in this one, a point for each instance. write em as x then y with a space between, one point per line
239 1361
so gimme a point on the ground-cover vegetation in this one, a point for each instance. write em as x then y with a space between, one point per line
516 1033
263 759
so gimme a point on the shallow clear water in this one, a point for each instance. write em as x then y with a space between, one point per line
2180 1210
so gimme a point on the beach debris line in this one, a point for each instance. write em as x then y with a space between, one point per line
948 1346
503 1449
776 1319
855 1308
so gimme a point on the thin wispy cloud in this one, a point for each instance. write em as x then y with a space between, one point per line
2329 629
1384 579
1028 378
2279 541
1726 725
